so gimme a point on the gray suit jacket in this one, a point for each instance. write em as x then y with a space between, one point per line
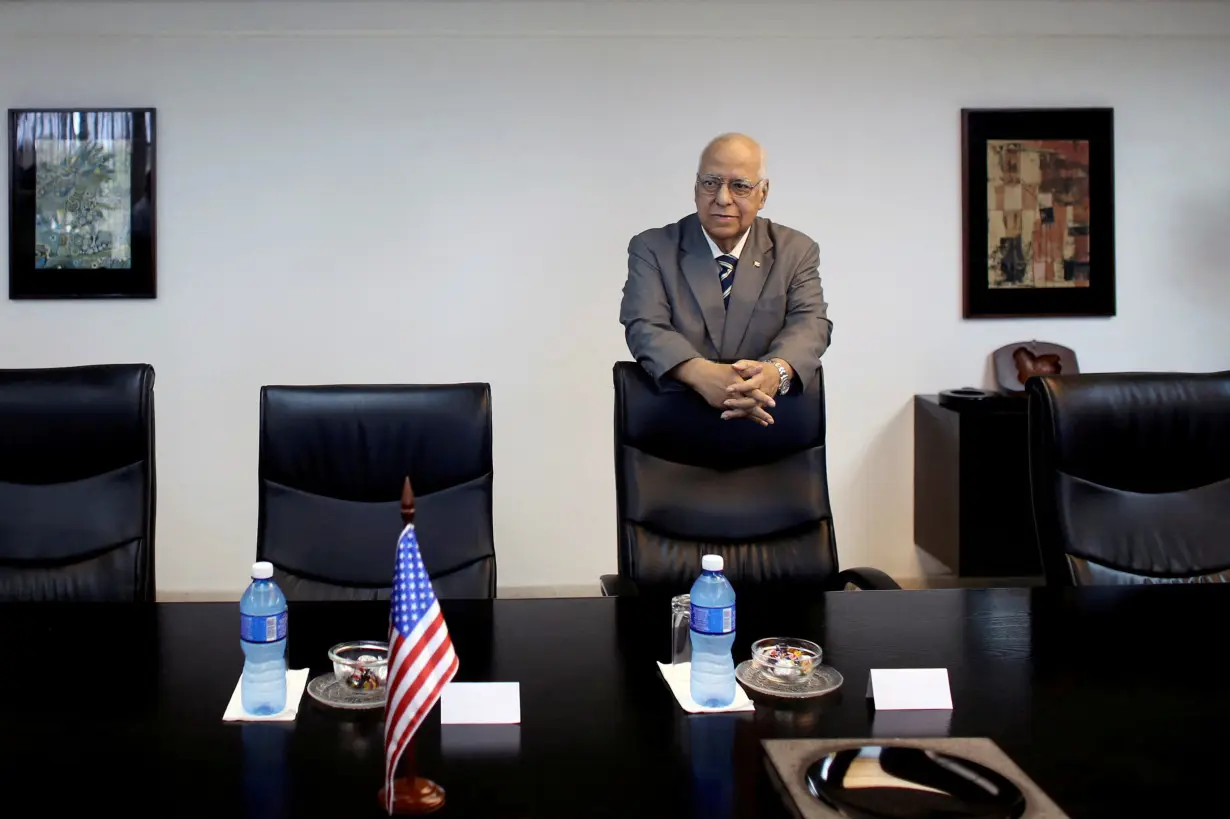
672 302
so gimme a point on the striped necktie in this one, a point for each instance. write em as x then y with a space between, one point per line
726 265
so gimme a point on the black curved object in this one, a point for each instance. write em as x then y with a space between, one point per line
896 782
1130 477
77 484
333 459
688 483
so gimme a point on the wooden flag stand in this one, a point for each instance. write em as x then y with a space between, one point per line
412 795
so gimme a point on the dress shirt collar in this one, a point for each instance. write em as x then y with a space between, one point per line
738 248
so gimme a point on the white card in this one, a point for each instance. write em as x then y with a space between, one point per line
928 724
909 689
480 703
481 741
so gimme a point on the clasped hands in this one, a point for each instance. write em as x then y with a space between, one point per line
744 389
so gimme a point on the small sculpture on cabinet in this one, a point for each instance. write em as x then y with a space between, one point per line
1015 363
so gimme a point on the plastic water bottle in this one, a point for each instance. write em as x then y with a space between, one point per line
713 633
262 635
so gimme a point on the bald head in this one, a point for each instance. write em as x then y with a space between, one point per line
734 149
731 188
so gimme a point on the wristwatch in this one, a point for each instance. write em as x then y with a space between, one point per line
783 385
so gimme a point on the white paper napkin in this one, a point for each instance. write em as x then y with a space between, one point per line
679 678
296 681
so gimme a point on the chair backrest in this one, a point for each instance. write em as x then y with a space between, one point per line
688 483
77 483
1130 476
333 460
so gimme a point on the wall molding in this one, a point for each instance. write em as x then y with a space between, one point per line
824 20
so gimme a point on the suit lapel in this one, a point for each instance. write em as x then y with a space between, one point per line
754 264
701 271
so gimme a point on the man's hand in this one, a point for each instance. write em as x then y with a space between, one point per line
752 396
708 379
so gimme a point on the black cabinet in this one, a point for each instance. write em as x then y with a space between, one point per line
972 510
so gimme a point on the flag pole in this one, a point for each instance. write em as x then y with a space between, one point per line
412 794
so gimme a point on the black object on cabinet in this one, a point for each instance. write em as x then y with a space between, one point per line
972 509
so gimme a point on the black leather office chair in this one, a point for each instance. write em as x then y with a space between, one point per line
333 460
1130 476
77 483
688 484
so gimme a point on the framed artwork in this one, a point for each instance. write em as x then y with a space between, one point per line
1038 191
81 203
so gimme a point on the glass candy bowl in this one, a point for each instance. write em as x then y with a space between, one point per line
361 666
785 659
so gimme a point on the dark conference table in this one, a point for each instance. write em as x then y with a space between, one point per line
1113 700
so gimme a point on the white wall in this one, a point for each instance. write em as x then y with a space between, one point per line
402 192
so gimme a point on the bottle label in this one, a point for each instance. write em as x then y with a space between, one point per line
708 620
253 629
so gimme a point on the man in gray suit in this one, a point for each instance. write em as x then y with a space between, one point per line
726 285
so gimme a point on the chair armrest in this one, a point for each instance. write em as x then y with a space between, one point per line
615 586
864 578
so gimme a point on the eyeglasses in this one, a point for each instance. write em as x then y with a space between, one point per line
739 187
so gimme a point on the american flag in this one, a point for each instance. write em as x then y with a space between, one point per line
421 658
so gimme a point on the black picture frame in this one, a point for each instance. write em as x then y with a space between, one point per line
1038 260
90 231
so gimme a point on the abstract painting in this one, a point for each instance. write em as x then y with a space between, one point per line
82 204
1038 224
1038 193
81 212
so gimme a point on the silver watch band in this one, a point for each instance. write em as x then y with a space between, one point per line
783 384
